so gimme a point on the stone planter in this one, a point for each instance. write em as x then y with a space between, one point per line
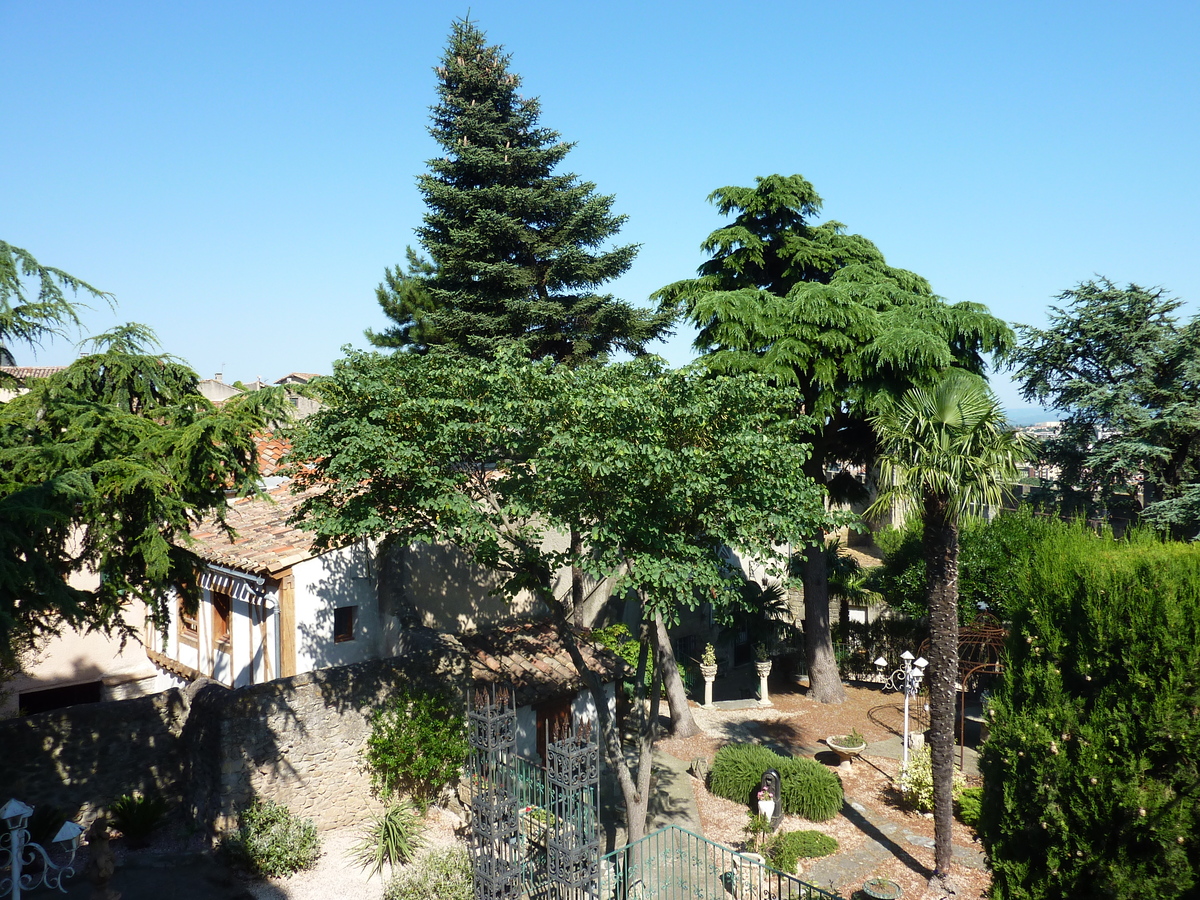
709 674
845 753
882 889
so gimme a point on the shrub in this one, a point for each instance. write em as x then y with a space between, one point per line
391 838
737 770
417 744
442 874
967 806
916 780
137 817
271 841
807 788
1090 771
786 849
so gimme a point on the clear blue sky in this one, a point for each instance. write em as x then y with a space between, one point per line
239 174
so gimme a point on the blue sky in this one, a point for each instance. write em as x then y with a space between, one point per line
239 174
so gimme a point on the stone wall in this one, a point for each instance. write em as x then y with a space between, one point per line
82 758
297 741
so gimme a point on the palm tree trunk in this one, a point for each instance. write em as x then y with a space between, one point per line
824 681
941 574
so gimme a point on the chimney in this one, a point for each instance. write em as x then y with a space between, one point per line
217 377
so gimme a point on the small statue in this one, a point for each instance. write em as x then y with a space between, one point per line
101 863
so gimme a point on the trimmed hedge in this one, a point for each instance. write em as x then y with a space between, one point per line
1090 772
808 788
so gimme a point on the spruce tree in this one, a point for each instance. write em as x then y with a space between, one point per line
516 250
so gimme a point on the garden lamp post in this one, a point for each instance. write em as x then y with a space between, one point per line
912 670
22 852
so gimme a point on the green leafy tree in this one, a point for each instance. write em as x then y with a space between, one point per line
818 309
1126 372
1090 771
104 466
514 247
30 319
946 451
657 470
992 556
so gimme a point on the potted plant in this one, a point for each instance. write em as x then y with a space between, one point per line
708 662
882 889
766 803
847 746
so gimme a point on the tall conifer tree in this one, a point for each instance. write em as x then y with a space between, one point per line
515 249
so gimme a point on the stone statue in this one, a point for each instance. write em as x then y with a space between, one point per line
101 863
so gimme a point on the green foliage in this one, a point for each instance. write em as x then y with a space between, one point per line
647 464
1125 370
1090 784
993 563
391 838
26 319
737 770
417 745
788 848
105 466
810 790
757 828
617 637
444 874
968 804
916 780
137 816
811 306
515 248
807 788
271 841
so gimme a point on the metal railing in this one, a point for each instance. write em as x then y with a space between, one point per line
673 863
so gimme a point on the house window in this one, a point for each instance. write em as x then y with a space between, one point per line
343 623
222 610
189 626
686 647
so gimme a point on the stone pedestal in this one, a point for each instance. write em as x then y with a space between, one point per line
763 669
710 675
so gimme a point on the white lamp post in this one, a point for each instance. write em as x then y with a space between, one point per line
21 852
912 670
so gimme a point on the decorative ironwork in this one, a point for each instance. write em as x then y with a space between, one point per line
495 821
573 842
674 864
21 854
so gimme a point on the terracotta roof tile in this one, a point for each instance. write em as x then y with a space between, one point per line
265 543
24 373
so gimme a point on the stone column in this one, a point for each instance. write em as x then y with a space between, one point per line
763 669
710 675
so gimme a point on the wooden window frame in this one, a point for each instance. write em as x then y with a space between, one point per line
222 625
189 625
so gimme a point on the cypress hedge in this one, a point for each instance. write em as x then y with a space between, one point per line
1092 770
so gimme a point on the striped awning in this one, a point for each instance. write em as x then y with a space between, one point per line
231 585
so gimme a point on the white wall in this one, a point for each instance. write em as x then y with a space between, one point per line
339 578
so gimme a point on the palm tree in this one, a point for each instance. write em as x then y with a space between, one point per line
946 451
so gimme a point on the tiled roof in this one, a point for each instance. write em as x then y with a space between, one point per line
24 373
300 377
265 543
270 451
